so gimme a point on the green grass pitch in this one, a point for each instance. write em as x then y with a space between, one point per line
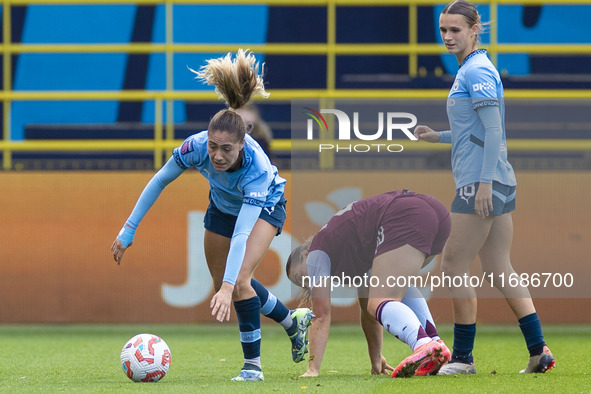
85 359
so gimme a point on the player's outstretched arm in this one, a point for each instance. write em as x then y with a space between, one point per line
222 301
374 334
168 173
318 332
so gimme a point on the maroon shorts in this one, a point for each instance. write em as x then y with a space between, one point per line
420 221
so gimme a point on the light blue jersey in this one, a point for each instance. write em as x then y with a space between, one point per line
256 182
242 193
477 85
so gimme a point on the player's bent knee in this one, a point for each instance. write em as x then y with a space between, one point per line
242 288
372 306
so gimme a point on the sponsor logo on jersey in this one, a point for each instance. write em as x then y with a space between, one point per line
482 86
258 194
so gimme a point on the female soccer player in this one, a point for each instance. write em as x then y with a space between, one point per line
246 210
392 234
485 189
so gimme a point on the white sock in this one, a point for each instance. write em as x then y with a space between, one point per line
417 303
253 361
287 322
400 321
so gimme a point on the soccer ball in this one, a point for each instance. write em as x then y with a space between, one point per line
145 358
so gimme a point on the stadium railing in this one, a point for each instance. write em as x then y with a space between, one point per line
164 141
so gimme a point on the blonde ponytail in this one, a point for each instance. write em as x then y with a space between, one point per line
235 79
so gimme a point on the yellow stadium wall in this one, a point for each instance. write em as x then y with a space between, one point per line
57 229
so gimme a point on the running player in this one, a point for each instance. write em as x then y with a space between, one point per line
392 234
485 189
246 210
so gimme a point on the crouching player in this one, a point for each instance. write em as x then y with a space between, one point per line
391 234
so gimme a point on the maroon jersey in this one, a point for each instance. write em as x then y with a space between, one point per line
372 226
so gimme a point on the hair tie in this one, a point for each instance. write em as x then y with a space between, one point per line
231 109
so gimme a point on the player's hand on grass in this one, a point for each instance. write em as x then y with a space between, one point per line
424 133
221 301
310 373
118 249
381 368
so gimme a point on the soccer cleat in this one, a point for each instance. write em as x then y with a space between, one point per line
444 349
541 363
457 368
299 341
424 360
446 353
249 376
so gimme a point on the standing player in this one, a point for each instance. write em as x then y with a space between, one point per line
485 185
392 234
246 210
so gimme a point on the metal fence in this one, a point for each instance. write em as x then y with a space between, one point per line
164 141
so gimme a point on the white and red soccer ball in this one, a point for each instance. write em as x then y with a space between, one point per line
145 358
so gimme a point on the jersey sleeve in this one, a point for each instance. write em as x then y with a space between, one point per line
168 173
491 119
189 153
245 222
481 83
255 195
445 137
318 267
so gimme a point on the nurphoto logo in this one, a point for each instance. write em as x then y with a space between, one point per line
390 124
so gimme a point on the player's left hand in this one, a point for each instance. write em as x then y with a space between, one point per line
382 368
221 302
483 204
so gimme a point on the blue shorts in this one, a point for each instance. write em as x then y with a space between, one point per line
503 199
223 224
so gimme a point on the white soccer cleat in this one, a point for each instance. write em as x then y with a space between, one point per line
541 363
249 376
457 368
